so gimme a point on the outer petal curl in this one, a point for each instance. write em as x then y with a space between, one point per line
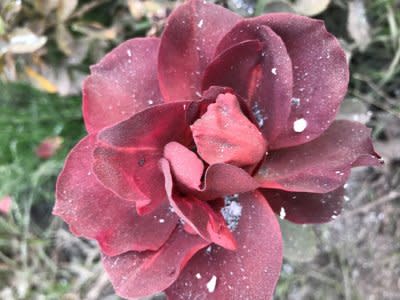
188 43
251 272
123 83
96 213
263 76
321 165
306 208
320 71
140 274
127 154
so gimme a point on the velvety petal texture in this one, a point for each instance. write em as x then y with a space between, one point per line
320 71
224 135
188 43
322 165
126 155
263 75
224 179
140 274
96 213
250 272
197 139
306 208
123 83
185 164
198 214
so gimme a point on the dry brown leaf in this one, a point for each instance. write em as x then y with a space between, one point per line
357 24
96 31
311 7
23 40
65 9
45 7
40 81
64 39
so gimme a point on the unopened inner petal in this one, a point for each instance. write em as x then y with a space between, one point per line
224 134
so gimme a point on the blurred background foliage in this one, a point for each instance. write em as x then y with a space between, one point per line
46 48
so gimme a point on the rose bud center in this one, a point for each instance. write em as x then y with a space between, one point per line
225 135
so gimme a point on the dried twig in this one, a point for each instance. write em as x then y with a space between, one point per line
367 207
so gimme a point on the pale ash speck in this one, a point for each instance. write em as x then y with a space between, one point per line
198 276
212 284
295 102
161 221
129 52
200 24
232 211
273 71
282 213
299 125
258 114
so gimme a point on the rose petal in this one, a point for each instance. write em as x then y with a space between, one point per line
96 213
223 179
188 171
224 135
186 166
320 70
251 272
123 83
140 274
198 214
262 75
127 154
321 165
306 208
187 46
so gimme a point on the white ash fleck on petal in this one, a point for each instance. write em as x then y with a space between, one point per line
129 52
299 125
198 276
273 71
161 221
211 285
200 24
282 213
295 102
232 211
258 114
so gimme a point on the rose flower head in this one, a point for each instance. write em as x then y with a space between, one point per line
197 138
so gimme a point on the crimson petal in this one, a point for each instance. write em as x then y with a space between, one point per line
224 135
251 272
140 274
321 165
320 71
198 214
187 46
127 154
96 213
262 75
123 83
306 208
186 166
223 179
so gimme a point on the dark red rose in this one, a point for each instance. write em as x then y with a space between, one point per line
196 138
